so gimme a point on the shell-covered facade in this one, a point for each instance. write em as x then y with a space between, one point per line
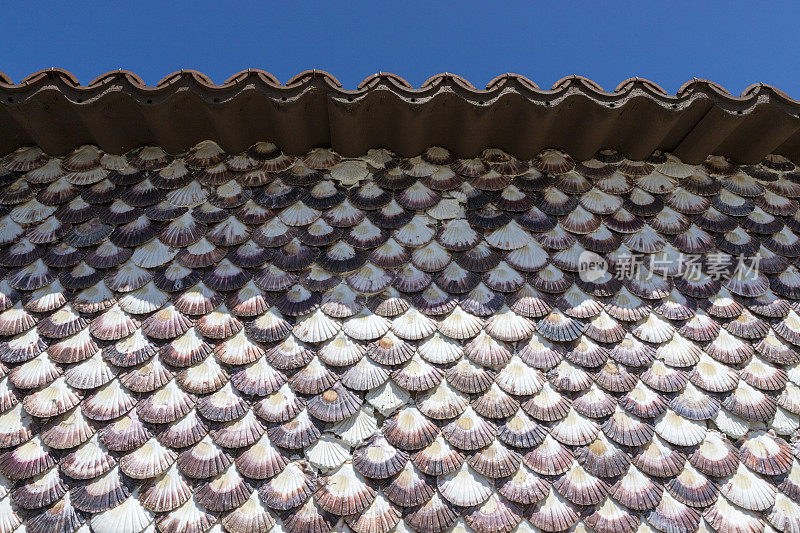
264 342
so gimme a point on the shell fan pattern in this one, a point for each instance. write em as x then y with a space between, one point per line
264 342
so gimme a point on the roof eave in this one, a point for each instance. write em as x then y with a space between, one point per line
118 112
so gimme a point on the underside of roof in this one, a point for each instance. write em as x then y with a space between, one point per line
118 112
259 342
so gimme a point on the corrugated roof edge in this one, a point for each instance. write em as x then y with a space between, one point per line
46 76
52 109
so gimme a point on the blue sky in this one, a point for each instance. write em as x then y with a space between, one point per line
733 43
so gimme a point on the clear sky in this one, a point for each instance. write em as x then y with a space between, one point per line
733 43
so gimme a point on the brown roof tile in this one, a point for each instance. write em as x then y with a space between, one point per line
53 110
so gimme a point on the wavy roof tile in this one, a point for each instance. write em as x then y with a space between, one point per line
262 342
53 110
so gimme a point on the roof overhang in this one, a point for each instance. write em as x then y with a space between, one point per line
118 112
